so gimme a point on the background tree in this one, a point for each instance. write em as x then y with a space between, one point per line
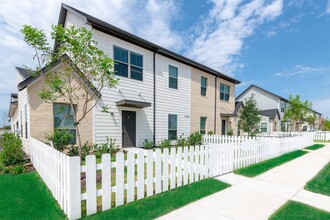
311 119
326 125
297 111
84 63
249 117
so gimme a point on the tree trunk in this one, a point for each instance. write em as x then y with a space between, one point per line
79 141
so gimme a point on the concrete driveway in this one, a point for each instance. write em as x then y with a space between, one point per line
259 197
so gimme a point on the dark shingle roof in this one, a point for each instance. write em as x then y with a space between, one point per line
270 113
24 72
124 35
238 105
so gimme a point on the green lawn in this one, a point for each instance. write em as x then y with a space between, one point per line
296 210
315 147
25 196
321 141
163 203
256 169
321 182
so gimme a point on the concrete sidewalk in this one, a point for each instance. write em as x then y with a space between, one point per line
259 197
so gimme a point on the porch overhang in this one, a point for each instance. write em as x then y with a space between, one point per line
133 103
227 115
12 108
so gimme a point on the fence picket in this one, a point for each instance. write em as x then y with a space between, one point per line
106 182
91 206
130 176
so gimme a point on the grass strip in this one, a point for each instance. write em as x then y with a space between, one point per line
321 182
256 169
321 141
158 205
25 196
296 210
315 147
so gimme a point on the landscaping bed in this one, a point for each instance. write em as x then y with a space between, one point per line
25 196
321 182
256 169
296 210
161 204
315 147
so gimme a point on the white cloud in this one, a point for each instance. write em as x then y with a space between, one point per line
149 19
303 70
323 106
327 10
220 37
285 26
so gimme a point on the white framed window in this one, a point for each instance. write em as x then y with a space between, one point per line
172 127
202 125
263 127
203 85
127 63
172 77
224 92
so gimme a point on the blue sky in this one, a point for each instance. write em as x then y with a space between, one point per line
282 46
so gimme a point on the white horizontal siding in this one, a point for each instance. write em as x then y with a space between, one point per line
265 101
22 105
172 101
111 125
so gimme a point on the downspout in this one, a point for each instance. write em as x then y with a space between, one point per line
215 105
154 72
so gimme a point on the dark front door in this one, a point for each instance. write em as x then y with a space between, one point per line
129 128
223 127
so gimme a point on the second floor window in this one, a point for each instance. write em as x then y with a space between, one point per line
224 92
128 62
283 105
203 86
173 77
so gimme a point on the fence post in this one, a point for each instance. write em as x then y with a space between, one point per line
74 188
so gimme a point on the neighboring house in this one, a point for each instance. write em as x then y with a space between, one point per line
156 97
311 127
267 101
212 102
270 102
270 121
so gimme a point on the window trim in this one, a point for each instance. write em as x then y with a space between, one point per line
224 93
169 77
74 106
202 77
129 63
200 125
171 129
264 122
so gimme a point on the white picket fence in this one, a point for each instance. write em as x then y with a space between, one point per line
150 172
317 136
58 171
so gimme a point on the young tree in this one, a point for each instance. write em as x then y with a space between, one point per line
297 111
311 119
88 70
249 117
326 126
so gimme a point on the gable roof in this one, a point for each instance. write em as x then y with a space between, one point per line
264 90
24 72
22 85
270 113
238 105
126 36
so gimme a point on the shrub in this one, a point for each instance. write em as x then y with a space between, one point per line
181 141
230 132
73 151
12 152
148 144
17 169
60 139
210 133
112 142
166 143
194 139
